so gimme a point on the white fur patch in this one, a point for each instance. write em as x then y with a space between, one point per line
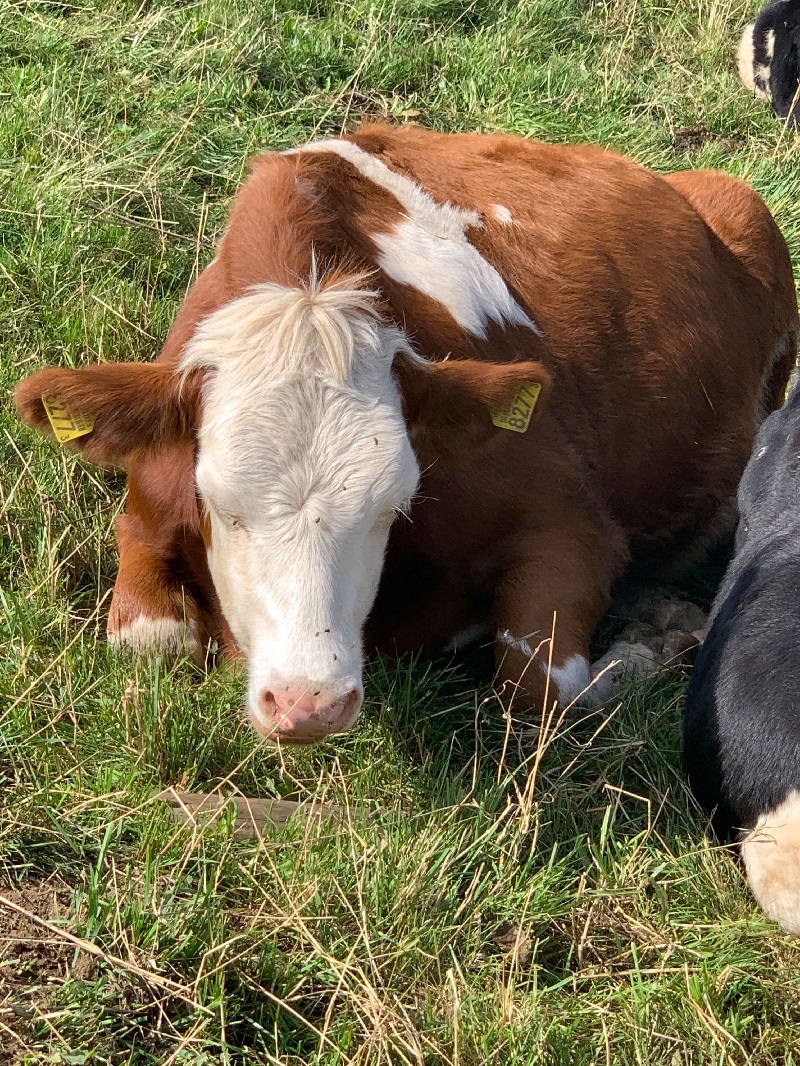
451 272
771 854
429 250
762 73
572 679
744 57
745 60
770 44
502 214
146 635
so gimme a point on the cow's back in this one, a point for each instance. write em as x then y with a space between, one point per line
659 306
662 304
745 229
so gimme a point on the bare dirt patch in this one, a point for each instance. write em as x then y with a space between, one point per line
692 139
33 961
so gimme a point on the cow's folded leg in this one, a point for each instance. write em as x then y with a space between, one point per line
546 612
151 611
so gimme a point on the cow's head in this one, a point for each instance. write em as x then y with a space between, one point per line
304 404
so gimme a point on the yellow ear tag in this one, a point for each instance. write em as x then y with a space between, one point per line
66 426
516 415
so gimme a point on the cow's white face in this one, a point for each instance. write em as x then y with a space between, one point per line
302 476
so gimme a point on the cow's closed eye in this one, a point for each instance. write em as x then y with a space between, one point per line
229 519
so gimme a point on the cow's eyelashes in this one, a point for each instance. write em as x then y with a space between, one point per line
388 518
224 516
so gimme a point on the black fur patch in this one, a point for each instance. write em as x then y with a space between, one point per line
742 724
781 18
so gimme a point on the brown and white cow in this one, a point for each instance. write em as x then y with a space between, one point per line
376 303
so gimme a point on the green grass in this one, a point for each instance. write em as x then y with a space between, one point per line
484 902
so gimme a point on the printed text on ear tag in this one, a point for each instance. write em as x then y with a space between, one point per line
66 426
516 414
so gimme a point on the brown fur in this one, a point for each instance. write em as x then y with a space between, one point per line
668 314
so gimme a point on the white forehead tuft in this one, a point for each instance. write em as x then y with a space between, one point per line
301 405
429 249
277 334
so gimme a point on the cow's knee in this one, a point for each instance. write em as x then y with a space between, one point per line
771 854
164 635
151 612
534 677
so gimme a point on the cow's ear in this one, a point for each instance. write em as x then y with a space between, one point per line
457 408
111 411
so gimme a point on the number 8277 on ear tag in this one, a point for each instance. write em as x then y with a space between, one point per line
516 415
66 425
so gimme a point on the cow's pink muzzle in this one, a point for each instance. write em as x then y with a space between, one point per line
304 715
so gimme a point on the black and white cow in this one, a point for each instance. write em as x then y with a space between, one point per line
769 57
742 728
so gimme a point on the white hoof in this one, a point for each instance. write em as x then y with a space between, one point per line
771 854
622 662
159 636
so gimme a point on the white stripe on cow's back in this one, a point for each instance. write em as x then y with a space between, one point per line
445 220
429 249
